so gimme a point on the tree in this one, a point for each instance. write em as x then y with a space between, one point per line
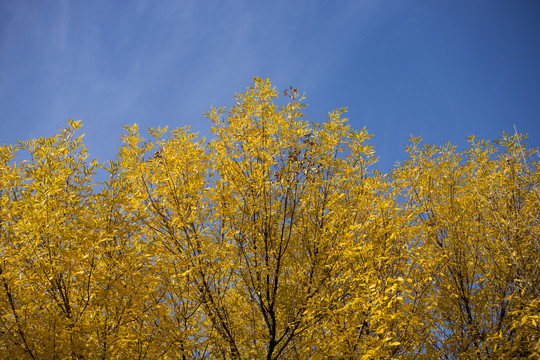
272 240
476 215
73 271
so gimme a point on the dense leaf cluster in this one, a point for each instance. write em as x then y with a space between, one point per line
273 240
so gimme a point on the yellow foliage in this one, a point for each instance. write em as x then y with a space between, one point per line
273 240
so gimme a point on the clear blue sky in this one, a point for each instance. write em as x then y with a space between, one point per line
439 69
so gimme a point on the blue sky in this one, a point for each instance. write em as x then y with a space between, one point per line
439 69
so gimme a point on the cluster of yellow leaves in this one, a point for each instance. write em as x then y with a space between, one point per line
272 240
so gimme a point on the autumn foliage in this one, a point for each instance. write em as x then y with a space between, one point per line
273 240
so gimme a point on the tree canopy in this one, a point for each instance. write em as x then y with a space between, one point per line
275 239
